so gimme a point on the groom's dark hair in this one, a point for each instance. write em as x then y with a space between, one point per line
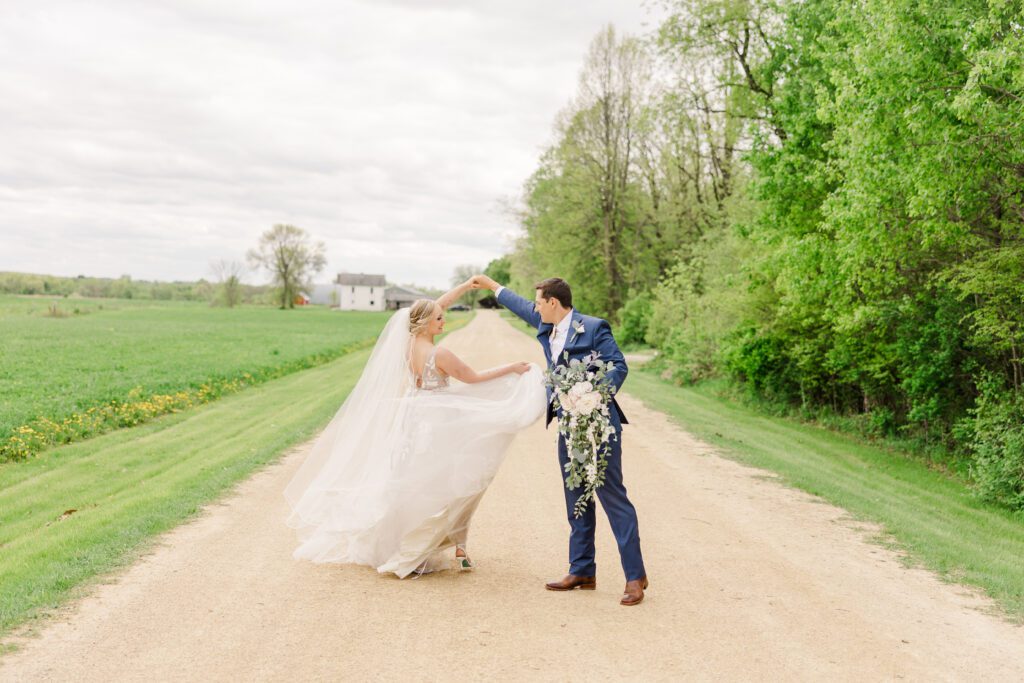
555 288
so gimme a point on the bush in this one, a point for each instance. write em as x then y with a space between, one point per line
995 436
634 319
760 361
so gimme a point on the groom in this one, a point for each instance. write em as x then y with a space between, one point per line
561 330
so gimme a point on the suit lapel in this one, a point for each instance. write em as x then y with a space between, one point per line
543 336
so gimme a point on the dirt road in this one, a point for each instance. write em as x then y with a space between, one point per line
748 580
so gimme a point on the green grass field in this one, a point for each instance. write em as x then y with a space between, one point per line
54 367
131 484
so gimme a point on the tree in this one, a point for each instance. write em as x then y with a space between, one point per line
461 274
500 270
228 275
586 212
291 258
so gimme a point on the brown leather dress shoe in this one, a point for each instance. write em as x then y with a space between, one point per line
585 583
634 593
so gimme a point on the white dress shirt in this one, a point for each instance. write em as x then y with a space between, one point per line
559 333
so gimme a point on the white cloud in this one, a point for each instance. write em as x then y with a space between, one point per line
150 139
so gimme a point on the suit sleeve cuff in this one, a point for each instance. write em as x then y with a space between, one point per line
497 292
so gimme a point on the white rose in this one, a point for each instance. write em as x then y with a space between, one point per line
567 401
588 403
580 389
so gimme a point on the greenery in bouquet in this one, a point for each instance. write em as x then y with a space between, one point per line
582 396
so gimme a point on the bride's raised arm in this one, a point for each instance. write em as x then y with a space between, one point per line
452 295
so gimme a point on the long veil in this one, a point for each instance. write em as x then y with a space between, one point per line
353 457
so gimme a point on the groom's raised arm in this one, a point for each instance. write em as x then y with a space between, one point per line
510 300
605 344
518 305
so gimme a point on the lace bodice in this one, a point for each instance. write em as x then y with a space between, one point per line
432 378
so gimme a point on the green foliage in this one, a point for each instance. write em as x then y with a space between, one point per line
500 269
995 435
887 161
588 214
634 319
123 288
701 301
823 204
761 362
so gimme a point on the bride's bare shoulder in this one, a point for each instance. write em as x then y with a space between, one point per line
447 360
443 354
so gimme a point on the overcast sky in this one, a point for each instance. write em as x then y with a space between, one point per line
150 138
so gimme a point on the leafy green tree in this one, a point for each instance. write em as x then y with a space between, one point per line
287 253
822 200
586 211
500 270
228 275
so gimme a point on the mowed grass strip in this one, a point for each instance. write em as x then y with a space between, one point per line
932 517
130 485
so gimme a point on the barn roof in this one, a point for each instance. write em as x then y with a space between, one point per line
404 294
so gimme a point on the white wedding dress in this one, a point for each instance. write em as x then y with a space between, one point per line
394 479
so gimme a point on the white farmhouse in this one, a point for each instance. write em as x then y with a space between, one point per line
361 292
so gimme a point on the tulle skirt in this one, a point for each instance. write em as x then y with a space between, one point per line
444 449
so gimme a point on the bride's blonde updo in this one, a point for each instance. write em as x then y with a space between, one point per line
420 314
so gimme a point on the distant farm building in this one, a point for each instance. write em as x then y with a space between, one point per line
363 292
402 297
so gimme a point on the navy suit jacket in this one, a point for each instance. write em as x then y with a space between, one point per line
596 336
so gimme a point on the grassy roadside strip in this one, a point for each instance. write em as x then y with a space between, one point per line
933 518
81 510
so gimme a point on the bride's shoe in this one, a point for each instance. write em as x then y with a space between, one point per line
465 564
421 570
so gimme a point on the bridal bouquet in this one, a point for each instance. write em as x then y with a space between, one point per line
578 390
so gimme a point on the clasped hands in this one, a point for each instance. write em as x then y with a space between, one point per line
482 282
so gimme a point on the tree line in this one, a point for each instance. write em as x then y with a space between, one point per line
125 287
822 201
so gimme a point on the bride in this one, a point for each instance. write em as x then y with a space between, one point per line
394 479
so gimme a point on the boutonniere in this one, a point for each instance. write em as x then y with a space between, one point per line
577 327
